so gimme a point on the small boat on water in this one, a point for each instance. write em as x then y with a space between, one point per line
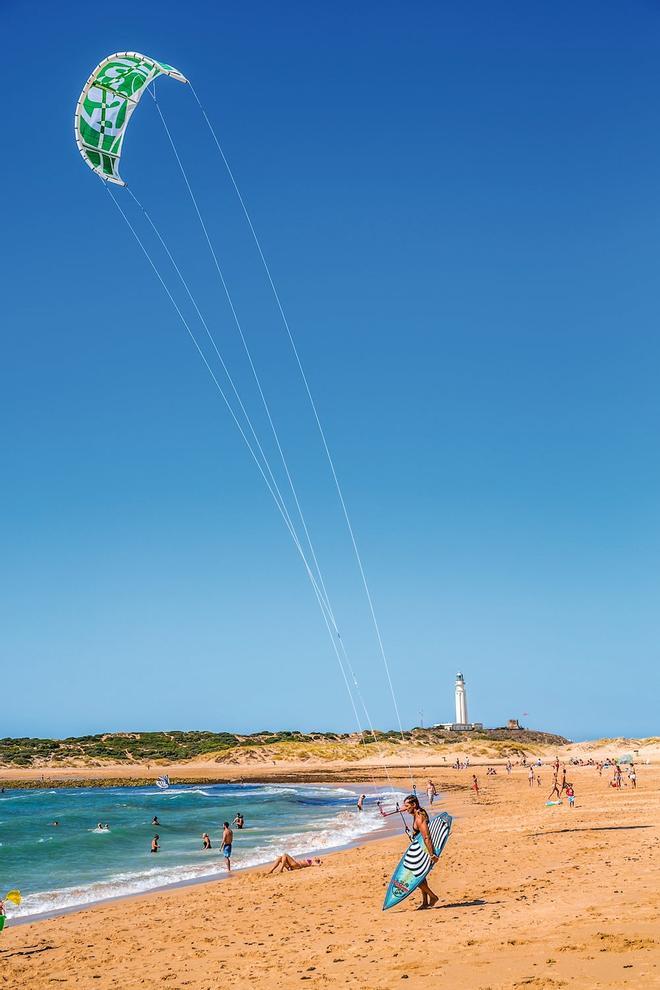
163 782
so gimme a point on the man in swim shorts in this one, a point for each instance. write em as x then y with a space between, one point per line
227 839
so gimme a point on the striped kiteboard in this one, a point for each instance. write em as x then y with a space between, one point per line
415 863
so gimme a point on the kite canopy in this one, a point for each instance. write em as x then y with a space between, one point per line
104 109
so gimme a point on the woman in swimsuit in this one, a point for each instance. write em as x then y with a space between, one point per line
421 827
286 862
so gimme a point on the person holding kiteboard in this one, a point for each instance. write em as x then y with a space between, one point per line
420 821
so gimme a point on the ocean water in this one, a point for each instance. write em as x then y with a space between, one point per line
74 863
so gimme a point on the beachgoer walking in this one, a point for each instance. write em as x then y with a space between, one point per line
555 788
155 847
475 784
531 776
431 791
421 827
206 841
632 777
538 780
361 800
563 782
227 839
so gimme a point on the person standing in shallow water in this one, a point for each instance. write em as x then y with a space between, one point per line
227 839
421 827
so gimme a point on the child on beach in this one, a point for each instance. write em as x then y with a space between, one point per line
570 794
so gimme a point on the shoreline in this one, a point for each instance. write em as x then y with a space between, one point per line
388 828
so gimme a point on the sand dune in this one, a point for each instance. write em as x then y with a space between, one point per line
293 761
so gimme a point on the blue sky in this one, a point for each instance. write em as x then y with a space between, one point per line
461 207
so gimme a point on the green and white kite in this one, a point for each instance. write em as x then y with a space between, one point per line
104 109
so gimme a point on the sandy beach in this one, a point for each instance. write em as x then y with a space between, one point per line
530 897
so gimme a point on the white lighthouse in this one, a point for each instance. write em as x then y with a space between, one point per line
461 700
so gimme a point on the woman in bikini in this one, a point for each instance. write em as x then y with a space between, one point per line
421 827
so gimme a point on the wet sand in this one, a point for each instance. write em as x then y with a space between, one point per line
530 897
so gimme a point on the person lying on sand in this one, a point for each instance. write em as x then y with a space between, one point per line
421 827
286 863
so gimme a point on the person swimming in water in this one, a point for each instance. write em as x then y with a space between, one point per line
239 820
206 841
155 844
155 822
421 827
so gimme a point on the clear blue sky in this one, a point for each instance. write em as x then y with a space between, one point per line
461 205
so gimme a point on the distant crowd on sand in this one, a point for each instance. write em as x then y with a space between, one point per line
560 787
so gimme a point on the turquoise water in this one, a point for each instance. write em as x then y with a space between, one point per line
73 863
